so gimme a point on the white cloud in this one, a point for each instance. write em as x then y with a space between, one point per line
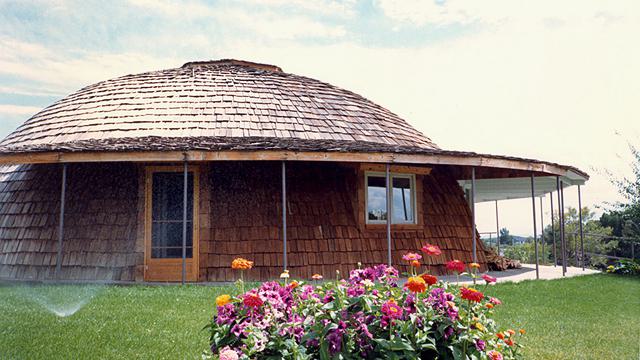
18 109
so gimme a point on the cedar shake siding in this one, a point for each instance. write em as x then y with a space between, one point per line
239 215
100 222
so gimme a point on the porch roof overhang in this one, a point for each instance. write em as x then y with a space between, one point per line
519 187
497 177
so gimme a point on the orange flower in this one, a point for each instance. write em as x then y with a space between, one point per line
223 300
416 284
500 336
316 277
241 264
511 331
474 265
522 331
415 263
489 306
293 284
471 294
429 279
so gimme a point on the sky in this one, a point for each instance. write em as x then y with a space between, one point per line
545 79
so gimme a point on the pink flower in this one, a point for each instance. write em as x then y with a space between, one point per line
391 309
228 354
430 249
494 355
411 257
495 301
488 278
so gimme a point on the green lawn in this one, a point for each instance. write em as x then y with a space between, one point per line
590 317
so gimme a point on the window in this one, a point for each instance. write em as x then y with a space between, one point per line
167 215
402 198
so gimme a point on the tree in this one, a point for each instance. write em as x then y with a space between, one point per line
624 216
596 238
505 237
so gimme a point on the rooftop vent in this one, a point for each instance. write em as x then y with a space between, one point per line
250 64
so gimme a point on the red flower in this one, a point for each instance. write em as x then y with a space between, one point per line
429 279
252 300
430 249
500 336
509 342
488 278
455 266
471 294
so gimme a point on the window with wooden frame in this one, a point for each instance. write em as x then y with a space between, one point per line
402 197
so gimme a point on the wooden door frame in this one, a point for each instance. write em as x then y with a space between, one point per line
193 263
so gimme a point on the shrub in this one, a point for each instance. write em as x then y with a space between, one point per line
625 267
369 315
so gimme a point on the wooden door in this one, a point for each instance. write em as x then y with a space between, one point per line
164 224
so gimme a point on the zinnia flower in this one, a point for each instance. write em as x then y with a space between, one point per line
411 257
509 342
474 265
488 278
284 275
480 345
494 355
500 336
522 331
391 309
471 294
416 284
455 266
316 277
228 354
415 263
479 326
495 301
511 332
489 306
429 279
430 249
241 264
223 300
252 300
294 284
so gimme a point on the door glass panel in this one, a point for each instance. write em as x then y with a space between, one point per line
376 199
167 215
402 200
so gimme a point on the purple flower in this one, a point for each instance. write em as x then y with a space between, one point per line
355 290
334 339
480 345
442 301
226 314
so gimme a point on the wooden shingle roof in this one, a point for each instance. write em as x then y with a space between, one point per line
213 102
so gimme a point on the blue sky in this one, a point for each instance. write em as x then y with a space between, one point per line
552 80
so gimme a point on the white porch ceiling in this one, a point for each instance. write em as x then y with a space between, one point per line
518 188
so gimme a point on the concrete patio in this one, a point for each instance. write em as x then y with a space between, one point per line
528 272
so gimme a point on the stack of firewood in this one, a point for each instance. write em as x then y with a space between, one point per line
496 262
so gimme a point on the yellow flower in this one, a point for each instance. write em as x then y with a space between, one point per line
284 275
474 265
223 300
479 326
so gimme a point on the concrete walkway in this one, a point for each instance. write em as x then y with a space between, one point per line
528 272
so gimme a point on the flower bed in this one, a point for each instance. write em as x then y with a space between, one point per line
369 315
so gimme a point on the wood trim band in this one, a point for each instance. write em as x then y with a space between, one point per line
278 155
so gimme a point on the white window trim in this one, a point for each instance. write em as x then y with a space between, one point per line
411 177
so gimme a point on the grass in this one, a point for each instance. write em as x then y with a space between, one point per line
589 317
